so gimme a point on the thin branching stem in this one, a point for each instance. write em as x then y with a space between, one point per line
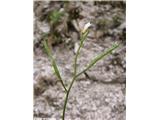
75 75
92 63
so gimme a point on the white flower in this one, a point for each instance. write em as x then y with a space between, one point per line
86 27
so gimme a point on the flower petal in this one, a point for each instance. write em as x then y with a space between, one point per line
86 27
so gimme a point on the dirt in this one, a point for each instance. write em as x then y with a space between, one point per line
99 95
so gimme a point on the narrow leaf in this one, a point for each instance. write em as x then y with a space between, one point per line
53 63
98 58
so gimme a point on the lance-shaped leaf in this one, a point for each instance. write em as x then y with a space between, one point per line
53 63
99 57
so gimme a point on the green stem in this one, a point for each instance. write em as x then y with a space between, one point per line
66 98
61 81
84 36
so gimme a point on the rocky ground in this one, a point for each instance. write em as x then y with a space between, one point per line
99 95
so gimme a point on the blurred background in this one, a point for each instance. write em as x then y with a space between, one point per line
100 93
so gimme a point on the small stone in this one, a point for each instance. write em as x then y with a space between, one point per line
44 27
76 46
75 24
99 34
